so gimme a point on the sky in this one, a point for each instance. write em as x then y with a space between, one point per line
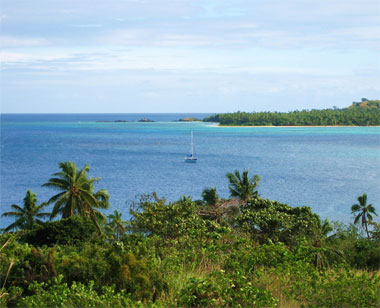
127 56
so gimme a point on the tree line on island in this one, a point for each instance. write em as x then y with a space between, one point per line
242 251
366 113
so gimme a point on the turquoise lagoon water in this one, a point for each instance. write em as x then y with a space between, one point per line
324 168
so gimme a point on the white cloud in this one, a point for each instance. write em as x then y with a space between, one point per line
25 60
11 42
226 48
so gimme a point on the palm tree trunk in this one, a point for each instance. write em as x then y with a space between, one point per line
365 223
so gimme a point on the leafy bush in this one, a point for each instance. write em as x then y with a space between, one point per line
109 265
367 254
59 294
83 264
224 290
169 221
72 230
339 288
266 219
135 276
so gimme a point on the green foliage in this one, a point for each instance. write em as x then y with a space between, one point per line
347 116
185 253
72 230
375 232
210 196
77 194
83 263
366 104
134 276
338 288
365 212
60 294
117 224
109 265
359 252
9 296
265 219
169 221
241 186
224 290
366 254
27 215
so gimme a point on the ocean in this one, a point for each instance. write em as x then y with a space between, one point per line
325 168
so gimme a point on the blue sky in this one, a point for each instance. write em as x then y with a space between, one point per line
187 56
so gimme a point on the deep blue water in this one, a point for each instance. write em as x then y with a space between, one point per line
324 168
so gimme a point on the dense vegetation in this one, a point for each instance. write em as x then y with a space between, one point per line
241 252
366 113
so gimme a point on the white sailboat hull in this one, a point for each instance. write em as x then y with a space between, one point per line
190 160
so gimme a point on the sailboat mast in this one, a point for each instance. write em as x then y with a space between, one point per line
192 145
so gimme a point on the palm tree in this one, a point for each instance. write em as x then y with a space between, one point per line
76 196
26 215
365 210
326 228
241 186
117 223
210 196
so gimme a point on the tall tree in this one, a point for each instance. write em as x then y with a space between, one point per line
210 196
76 196
241 186
27 215
364 211
117 224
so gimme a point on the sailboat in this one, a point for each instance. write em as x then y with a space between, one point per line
190 158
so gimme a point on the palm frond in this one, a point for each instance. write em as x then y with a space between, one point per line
38 221
362 200
17 224
18 208
94 180
371 209
10 214
89 198
43 215
70 170
58 204
81 176
56 197
355 208
357 218
237 175
57 184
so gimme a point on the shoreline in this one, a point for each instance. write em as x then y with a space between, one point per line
295 126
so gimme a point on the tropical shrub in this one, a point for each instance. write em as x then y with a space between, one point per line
169 221
60 294
339 288
366 254
265 219
220 289
72 230
109 265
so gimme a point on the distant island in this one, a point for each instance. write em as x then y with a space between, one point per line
364 113
116 121
145 120
189 120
